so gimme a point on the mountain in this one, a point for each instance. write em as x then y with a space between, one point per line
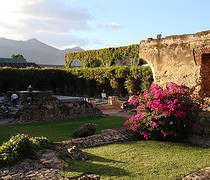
34 51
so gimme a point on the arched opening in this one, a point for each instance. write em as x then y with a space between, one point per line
147 63
205 75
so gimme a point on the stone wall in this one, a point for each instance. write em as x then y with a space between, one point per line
182 59
109 137
51 108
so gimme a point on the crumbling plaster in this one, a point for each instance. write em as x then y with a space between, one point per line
177 58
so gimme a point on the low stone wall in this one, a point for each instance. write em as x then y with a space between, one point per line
109 137
200 114
51 109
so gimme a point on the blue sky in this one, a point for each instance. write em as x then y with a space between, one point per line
95 24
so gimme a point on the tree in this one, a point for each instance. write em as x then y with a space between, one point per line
14 56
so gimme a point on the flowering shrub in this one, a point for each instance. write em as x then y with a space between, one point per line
160 113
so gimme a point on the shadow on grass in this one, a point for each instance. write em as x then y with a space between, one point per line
101 159
94 165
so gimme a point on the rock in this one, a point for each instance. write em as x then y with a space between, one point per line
108 130
49 159
89 177
85 130
76 154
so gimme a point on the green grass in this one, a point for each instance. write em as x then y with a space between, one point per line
58 130
149 160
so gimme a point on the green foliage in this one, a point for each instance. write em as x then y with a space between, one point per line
124 55
17 56
21 146
18 147
41 143
115 80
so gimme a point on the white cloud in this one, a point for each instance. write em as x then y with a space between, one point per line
48 19
113 26
104 44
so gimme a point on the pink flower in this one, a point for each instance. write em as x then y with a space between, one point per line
164 133
154 125
180 114
138 116
133 101
149 104
142 106
156 117
24 135
126 123
145 134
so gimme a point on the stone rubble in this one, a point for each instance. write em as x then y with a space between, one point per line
85 130
89 177
203 174
30 169
76 154
49 109
109 137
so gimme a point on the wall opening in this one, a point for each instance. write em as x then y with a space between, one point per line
205 75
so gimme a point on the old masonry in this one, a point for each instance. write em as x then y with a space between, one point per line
183 59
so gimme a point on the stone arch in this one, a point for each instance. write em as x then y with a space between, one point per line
148 63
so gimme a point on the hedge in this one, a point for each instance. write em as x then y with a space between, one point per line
115 80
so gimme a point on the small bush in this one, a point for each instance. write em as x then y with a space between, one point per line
21 146
41 143
161 113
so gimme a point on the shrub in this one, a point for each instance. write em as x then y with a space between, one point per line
21 146
41 143
161 113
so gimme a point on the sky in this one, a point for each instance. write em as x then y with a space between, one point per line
96 24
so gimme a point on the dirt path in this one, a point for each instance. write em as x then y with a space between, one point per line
116 112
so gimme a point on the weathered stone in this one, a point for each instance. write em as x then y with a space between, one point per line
85 130
98 139
89 177
50 109
203 174
76 154
181 59
49 159
108 130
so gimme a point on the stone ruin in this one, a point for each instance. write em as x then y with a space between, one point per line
183 59
85 130
46 107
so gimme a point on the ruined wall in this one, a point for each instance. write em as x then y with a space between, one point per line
181 59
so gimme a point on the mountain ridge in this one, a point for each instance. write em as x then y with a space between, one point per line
34 51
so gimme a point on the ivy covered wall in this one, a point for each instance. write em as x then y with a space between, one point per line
124 55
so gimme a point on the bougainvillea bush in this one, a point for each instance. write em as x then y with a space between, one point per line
161 114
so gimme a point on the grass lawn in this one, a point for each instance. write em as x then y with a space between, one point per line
58 130
149 160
